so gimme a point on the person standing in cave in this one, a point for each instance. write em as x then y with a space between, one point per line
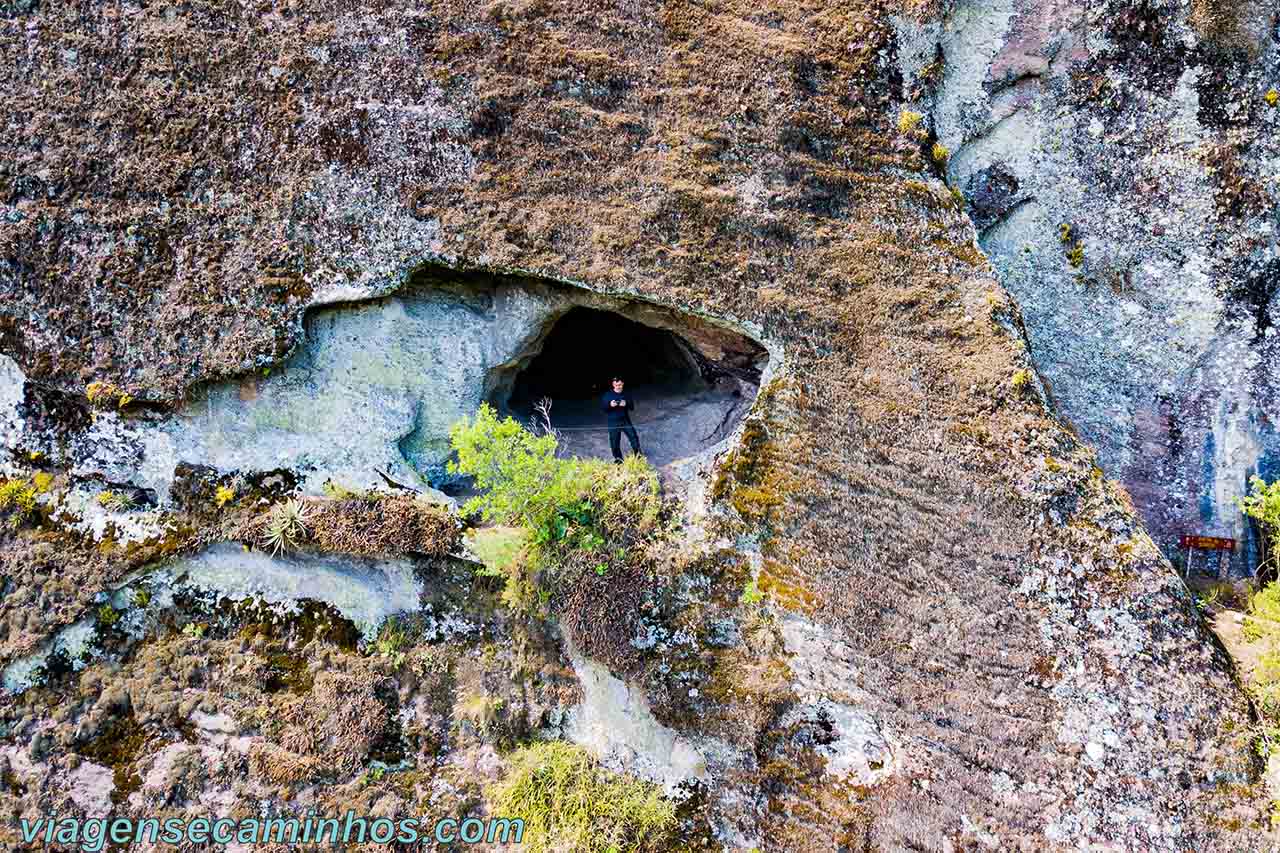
618 407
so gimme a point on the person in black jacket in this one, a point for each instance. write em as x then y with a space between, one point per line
618 407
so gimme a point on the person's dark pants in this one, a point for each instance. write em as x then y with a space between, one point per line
615 440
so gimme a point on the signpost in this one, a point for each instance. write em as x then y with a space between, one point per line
1205 543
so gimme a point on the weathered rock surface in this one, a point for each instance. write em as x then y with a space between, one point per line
184 183
364 591
615 722
374 387
1122 165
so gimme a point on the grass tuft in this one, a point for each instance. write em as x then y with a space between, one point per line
568 802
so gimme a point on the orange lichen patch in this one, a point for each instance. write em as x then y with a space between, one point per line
750 476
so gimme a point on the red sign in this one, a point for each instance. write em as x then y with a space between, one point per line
1208 543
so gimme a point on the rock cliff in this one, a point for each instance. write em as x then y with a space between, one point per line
968 638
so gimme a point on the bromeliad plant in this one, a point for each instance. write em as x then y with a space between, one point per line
285 526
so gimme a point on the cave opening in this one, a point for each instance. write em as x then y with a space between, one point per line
689 382
587 347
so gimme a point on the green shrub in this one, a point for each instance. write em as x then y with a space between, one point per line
1262 624
568 802
108 615
18 499
1263 506
570 512
1263 617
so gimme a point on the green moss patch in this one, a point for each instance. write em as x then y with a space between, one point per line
568 802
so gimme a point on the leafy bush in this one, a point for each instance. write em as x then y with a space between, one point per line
574 515
1263 506
569 803
1262 624
18 499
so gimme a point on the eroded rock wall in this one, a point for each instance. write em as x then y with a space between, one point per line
1120 161
184 182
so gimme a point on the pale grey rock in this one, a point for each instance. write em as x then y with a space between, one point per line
375 386
855 750
364 591
1161 347
77 643
89 786
833 701
614 722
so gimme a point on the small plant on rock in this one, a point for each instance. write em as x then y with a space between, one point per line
115 501
223 496
392 641
108 615
480 710
285 526
18 499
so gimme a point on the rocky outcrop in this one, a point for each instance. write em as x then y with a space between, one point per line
1120 164
1019 666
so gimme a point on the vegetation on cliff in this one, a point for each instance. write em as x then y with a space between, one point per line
574 516
568 802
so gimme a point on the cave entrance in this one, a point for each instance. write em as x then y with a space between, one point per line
686 398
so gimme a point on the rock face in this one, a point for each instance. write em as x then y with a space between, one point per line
1120 162
374 386
999 655
364 591
615 722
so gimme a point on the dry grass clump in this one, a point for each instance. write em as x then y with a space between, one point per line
279 766
365 524
384 525
1221 23
339 722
